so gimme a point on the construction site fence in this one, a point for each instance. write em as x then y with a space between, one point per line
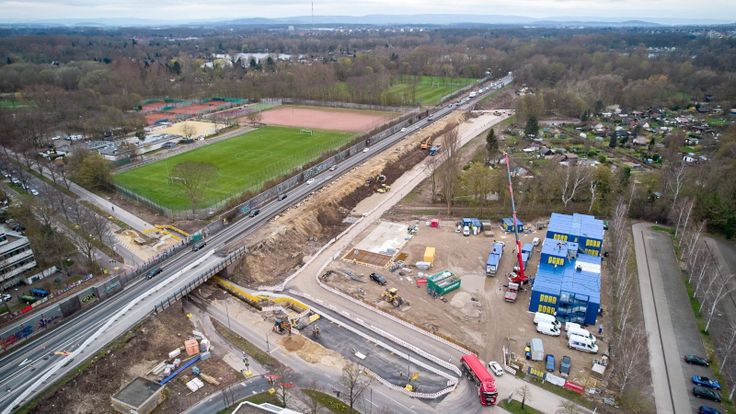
347 105
403 390
199 280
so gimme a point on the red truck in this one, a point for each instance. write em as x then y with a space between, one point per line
472 368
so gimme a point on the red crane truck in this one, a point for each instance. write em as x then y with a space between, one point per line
471 366
517 277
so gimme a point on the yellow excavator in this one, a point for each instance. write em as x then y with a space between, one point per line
392 296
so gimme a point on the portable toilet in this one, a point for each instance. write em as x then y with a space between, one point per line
435 223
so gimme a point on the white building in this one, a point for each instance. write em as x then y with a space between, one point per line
16 257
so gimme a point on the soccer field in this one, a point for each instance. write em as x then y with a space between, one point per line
244 162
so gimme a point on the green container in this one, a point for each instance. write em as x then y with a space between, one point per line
443 282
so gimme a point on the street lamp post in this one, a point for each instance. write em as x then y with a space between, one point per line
16 295
268 347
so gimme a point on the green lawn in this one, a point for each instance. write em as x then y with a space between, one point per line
425 94
429 80
244 163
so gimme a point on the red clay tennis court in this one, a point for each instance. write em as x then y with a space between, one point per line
153 118
194 109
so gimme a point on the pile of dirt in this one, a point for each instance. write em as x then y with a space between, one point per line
315 353
293 343
504 99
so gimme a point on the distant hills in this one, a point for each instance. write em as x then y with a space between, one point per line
452 20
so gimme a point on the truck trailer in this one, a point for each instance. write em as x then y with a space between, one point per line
494 259
476 372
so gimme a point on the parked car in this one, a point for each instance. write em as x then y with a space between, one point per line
281 197
6 297
707 393
310 181
254 213
549 362
5 174
707 410
696 360
495 368
153 273
379 279
198 245
33 191
565 366
706 382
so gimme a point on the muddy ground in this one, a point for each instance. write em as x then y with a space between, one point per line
135 355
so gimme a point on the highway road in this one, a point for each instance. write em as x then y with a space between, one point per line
27 370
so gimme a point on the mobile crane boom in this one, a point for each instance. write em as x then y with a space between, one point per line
519 278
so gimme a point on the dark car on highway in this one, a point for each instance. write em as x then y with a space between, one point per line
153 273
254 213
198 245
696 360
707 393
379 279
281 197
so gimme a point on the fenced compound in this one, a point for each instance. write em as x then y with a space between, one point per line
387 129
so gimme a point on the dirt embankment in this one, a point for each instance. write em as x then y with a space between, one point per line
290 238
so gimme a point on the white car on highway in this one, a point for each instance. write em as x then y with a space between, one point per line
310 181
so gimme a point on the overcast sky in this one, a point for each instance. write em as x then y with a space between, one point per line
188 10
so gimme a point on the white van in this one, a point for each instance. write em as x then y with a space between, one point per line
548 329
535 242
466 231
582 344
575 329
546 318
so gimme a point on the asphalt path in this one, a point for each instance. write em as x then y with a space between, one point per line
669 320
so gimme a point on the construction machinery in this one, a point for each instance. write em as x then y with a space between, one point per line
384 188
282 327
392 296
426 143
517 277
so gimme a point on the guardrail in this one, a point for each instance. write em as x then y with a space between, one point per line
199 280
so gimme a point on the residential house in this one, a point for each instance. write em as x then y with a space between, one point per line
640 141
521 172
544 151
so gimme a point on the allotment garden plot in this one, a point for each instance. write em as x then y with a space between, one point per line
244 162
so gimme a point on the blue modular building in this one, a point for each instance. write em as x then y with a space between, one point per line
494 259
508 224
527 248
568 281
585 230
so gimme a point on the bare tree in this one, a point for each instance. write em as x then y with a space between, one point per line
593 193
572 179
254 117
726 345
193 178
526 394
567 407
312 399
432 165
450 167
688 209
675 179
89 229
188 130
717 292
354 382
628 357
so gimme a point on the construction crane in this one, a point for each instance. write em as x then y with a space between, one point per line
516 277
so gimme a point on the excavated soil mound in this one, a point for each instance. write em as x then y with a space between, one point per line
293 343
